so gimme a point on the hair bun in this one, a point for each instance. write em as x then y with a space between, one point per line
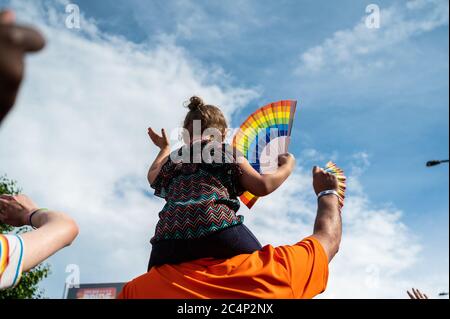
195 103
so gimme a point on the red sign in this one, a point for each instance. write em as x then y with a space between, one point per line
96 293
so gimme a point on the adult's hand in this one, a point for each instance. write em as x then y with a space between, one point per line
15 42
55 230
16 210
416 294
323 181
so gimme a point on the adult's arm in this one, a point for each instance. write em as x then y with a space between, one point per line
15 42
328 224
54 231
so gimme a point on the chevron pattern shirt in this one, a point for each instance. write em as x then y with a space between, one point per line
201 197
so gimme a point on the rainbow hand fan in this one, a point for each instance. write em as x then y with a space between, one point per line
333 169
263 136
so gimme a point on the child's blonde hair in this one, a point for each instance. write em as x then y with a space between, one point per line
209 115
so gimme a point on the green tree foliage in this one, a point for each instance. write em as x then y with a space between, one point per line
28 286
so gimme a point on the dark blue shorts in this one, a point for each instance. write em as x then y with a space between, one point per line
223 244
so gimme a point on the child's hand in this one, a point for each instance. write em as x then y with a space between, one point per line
161 141
286 159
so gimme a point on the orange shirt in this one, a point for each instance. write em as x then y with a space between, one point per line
297 271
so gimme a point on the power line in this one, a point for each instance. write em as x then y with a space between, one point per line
435 162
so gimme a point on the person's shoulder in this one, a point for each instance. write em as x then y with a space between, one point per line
288 256
313 245
306 263
308 245
130 288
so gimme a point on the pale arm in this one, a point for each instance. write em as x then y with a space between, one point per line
54 230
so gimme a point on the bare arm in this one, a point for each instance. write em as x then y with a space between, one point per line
262 185
54 230
159 161
328 224
162 142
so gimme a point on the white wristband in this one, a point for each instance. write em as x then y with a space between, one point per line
327 192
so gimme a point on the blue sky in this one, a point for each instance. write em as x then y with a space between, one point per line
399 115
377 102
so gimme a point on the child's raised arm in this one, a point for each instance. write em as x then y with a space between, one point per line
163 143
262 185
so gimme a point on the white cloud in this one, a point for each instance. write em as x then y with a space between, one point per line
77 139
198 20
355 51
376 248
77 142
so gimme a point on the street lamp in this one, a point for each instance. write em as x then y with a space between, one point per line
434 163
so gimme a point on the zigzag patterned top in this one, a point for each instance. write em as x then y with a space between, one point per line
201 197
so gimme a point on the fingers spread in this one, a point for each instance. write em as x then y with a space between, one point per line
417 293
